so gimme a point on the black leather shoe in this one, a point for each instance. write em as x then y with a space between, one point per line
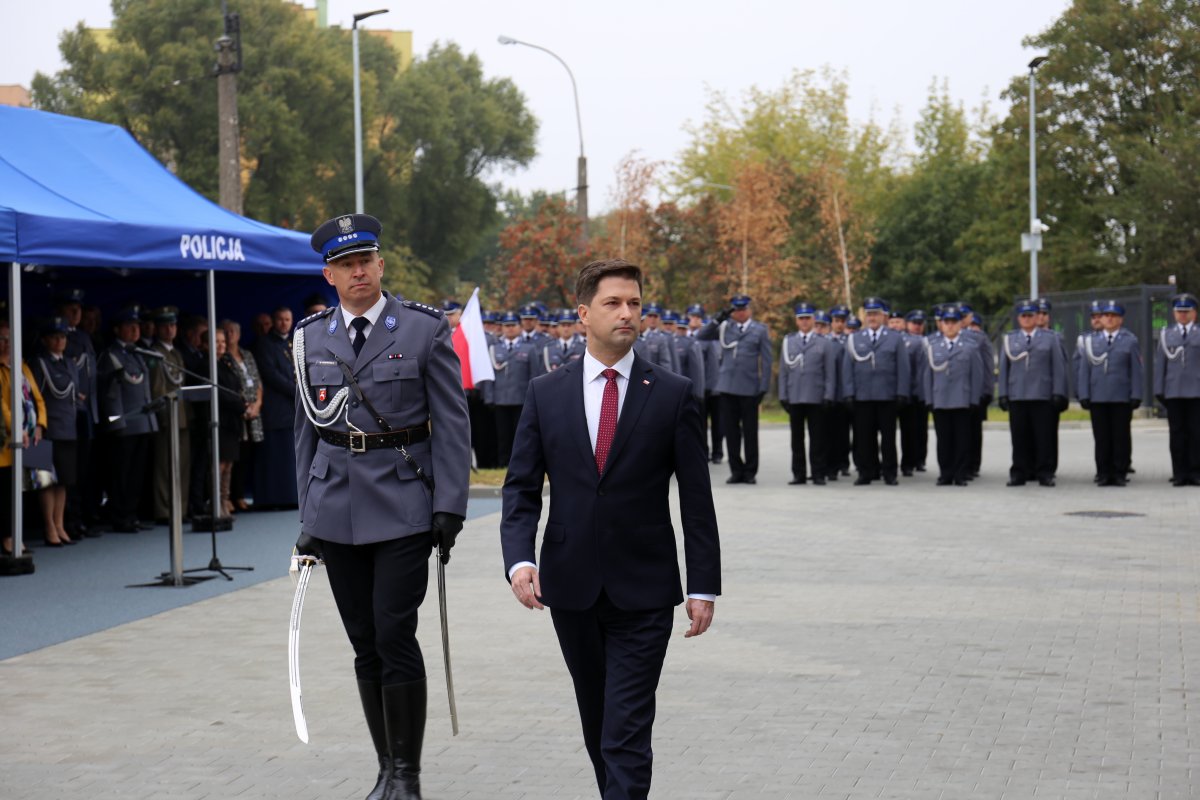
861 481
735 479
908 473
404 718
717 459
960 482
891 481
845 473
371 694
749 479
818 481
1045 481
833 476
1117 482
944 481
920 468
1179 482
1015 482
795 481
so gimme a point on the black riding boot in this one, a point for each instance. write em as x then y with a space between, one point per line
404 715
372 702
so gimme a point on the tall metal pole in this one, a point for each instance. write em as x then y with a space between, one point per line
15 357
581 190
358 154
1034 241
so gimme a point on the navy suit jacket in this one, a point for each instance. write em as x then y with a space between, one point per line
612 531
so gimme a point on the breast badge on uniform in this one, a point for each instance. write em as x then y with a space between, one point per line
322 394
389 322
332 326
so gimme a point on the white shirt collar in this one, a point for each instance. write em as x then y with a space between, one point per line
372 313
592 366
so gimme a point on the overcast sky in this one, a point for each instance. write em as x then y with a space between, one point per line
643 67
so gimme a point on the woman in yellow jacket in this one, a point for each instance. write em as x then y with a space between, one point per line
31 433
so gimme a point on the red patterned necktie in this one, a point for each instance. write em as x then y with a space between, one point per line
608 419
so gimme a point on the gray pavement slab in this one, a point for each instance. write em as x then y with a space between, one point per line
872 642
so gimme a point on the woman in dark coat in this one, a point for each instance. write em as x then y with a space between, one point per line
231 427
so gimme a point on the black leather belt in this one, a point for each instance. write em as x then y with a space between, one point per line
362 442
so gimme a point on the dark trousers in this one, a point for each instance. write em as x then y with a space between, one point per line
1183 419
507 418
978 417
739 418
712 412
838 443
130 457
814 415
875 438
378 589
615 658
1110 429
1034 428
953 428
914 436
76 514
483 430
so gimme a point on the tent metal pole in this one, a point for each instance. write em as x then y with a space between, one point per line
17 399
215 436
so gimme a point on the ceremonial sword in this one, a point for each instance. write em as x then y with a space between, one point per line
303 564
441 578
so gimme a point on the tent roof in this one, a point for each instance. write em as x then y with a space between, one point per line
74 192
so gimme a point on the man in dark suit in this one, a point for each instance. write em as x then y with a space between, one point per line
609 431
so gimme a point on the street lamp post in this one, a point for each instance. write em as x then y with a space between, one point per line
1031 242
358 158
581 200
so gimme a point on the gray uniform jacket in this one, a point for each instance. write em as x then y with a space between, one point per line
690 357
81 350
878 371
409 371
1110 374
987 359
917 364
711 353
808 371
1177 363
58 381
952 375
1036 371
745 356
535 342
124 390
657 348
514 369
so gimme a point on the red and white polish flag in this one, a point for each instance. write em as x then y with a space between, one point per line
470 343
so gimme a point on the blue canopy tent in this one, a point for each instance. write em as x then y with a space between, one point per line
79 193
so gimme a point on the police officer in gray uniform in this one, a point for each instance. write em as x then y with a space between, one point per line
952 376
987 358
841 424
1109 383
711 351
807 378
382 464
688 355
125 395
1033 389
914 420
1177 386
876 379
743 379
652 344
514 360
83 499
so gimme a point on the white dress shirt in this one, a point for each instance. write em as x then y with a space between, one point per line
372 315
593 396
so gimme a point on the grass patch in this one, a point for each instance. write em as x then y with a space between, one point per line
488 477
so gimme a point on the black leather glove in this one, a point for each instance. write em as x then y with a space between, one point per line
1059 402
786 406
723 315
1003 403
986 400
445 531
1135 403
758 398
1085 404
309 546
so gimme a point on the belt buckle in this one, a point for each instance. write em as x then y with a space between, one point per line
358 442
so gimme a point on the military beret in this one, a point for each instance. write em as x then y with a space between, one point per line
341 236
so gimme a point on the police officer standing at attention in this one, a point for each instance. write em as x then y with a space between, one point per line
953 382
125 396
1177 386
743 380
1033 389
807 374
382 464
514 360
711 407
914 421
652 344
840 422
876 379
1110 385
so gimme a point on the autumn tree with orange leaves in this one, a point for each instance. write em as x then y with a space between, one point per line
539 257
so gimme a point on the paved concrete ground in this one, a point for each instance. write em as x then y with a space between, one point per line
923 642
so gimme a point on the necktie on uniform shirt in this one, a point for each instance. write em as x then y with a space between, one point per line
360 338
1029 340
1110 340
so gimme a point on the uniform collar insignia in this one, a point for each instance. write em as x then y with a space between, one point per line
389 322
333 324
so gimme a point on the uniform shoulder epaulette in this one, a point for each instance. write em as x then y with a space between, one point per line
430 310
316 316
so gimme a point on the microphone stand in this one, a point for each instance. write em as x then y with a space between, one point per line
213 522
